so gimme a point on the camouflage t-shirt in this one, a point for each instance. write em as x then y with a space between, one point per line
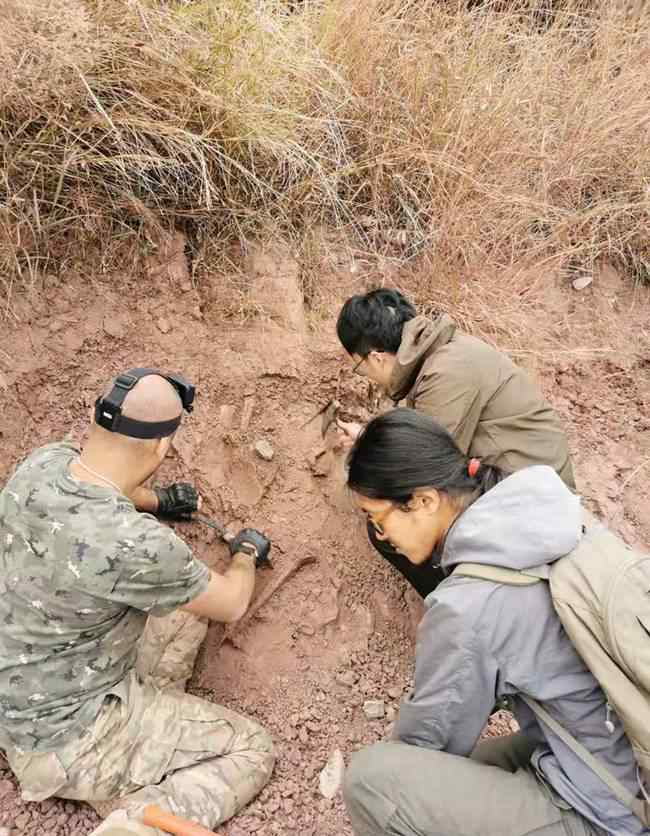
80 570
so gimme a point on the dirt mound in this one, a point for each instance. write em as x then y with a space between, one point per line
340 632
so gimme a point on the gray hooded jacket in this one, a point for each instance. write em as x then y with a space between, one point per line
480 641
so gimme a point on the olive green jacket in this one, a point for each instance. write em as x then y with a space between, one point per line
490 406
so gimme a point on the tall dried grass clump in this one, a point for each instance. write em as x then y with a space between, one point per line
489 133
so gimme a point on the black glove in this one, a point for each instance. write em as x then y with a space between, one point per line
248 537
177 501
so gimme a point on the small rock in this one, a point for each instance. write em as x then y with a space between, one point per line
303 737
6 787
22 821
4 831
394 693
582 282
331 776
348 678
390 714
366 687
264 450
113 328
272 805
374 709
163 325
289 789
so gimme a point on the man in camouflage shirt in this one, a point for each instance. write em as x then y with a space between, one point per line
91 686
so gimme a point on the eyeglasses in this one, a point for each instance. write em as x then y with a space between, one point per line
377 521
355 368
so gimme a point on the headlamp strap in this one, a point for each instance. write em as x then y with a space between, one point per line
108 410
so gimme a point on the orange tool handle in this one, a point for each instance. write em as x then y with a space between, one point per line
154 816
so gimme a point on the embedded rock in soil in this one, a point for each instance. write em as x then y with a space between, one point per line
331 776
264 450
374 709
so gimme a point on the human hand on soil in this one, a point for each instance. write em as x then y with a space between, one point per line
347 433
250 538
177 501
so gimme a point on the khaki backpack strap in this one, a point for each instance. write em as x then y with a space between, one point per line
638 807
497 574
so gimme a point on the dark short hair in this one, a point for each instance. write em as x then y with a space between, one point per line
403 450
374 321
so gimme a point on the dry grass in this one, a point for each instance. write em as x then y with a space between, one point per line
489 134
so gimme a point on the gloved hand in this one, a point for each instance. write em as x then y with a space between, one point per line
248 537
177 501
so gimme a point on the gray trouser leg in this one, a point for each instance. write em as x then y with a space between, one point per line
400 790
511 752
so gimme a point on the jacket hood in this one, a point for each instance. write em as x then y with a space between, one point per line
529 518
420 337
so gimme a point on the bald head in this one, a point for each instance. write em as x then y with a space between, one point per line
152 399
122 458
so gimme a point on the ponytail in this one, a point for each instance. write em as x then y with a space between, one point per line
486 476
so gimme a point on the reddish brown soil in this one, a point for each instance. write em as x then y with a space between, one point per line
341 630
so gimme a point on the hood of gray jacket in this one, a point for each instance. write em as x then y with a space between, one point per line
509 525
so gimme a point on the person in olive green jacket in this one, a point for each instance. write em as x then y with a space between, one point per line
490 406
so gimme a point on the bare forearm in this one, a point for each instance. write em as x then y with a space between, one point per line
240 576
144 499
227 597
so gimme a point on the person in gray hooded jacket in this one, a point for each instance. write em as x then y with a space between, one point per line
480 642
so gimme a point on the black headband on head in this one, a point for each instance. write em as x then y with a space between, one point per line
108 409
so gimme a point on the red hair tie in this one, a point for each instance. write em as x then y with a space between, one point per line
473 466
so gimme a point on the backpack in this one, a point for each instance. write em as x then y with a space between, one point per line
601 593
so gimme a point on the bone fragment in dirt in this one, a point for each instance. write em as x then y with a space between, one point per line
230 634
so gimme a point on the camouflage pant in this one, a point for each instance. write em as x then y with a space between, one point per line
160 745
